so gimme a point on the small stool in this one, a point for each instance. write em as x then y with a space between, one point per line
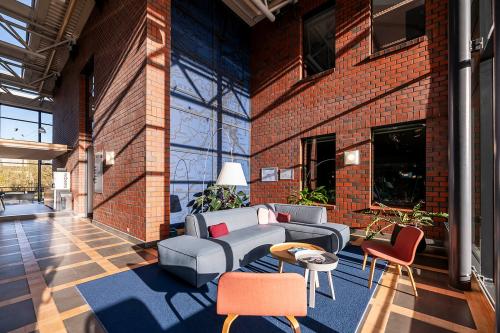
328 264
261 294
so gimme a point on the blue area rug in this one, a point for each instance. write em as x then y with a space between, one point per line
148 299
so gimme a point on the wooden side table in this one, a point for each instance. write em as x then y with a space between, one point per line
280 252
328 264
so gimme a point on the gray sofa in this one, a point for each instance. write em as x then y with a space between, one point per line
198 259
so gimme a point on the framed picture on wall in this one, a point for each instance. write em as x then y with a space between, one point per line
269 174
286 174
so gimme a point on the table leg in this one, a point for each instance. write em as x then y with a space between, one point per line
312 289
306 276
330 282
317 280
280 266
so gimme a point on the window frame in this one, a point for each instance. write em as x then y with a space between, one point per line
304 164
328 5
395 45
392 128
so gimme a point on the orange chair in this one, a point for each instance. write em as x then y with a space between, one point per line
261 294
401 254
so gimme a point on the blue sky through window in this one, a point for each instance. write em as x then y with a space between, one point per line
22 124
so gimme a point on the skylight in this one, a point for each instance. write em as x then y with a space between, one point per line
8 66
8 31
28 3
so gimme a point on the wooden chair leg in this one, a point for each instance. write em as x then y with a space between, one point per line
399 269
227 323
372 272
410 274
364 261
294 323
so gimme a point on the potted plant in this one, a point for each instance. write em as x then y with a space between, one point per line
385 217
309 197
218 197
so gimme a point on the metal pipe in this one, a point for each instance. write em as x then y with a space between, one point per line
496 152
264 9
460 144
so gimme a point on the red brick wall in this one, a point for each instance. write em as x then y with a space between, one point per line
157 118
129 119
361 93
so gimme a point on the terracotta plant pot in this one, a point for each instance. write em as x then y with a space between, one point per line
397 228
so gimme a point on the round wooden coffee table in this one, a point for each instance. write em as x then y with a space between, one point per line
280 252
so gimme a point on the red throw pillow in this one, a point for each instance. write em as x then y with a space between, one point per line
283 217
218 230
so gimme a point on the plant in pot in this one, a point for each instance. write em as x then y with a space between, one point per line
309 197
218 197
385 217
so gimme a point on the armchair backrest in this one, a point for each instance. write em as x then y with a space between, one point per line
407 243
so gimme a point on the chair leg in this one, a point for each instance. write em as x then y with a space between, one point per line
364 261
294 323
227 323
399 269
306 276
372 272
410 274
280 266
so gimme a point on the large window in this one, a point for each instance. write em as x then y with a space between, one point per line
319 41
24 124
319 164
22 176
399 165
396 21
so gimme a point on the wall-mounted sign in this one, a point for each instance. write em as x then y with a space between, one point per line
269 174
98 172
62 180
286 174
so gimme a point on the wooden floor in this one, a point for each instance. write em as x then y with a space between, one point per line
42 261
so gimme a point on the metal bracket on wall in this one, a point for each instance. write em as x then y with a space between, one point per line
476 45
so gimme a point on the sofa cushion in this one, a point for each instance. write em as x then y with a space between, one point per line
263 215
252 243
283 217
235 219
333 237
303 214
218 230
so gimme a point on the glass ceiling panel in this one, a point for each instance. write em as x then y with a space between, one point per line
16 69
26 2
7 37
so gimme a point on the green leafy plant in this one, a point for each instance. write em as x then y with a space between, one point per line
386 217
218 197
309 197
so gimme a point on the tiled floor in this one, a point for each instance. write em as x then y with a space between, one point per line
41 262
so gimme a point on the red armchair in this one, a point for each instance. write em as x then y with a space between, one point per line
401 254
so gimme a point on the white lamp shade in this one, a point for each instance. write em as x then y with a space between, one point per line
231 174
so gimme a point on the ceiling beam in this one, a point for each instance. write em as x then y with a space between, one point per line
19 52
60 34
26 103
